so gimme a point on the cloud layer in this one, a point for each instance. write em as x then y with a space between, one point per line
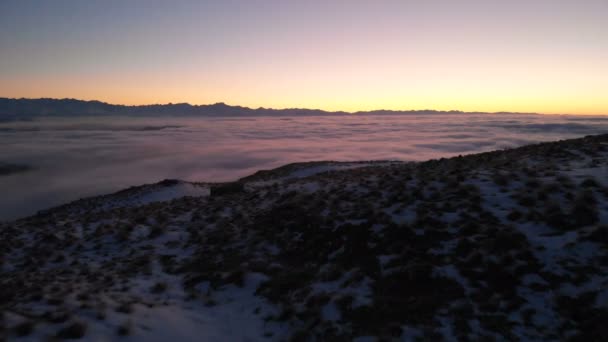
74 159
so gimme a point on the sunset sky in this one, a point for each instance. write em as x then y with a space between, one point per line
547 56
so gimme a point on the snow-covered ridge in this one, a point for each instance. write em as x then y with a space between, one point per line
301 170
172 189
163 191
505 245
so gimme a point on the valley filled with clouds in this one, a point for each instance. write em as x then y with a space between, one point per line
68 159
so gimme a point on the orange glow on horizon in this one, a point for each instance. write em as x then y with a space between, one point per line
554 100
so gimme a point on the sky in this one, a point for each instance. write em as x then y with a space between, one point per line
548 56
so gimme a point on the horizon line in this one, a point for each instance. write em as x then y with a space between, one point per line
294 108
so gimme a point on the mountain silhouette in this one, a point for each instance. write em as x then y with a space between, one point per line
23 109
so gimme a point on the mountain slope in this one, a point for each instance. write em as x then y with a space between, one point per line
507 245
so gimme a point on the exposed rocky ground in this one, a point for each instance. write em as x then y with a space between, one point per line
506 245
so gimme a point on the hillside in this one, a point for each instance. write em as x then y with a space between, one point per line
505 245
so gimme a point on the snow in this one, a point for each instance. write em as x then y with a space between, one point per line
231 319
309 171
330 312
556 262
172 192
313 170
158 193
452 272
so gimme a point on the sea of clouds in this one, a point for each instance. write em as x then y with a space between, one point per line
75 158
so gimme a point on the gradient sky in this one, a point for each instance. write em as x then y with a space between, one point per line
476 55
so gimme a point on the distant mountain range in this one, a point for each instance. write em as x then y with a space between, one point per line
23 109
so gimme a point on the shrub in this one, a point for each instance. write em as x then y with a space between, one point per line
75 330
589 183
226 189
533 183
124 329
464 247
159 287
526 201
584 211
124 308
530 172
54 301
281 285
555 217
507 240
156 231
501 178
600 235
237 277
56 317
24 328
514 215
564 180
497 323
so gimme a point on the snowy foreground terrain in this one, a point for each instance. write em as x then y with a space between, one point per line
506 245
